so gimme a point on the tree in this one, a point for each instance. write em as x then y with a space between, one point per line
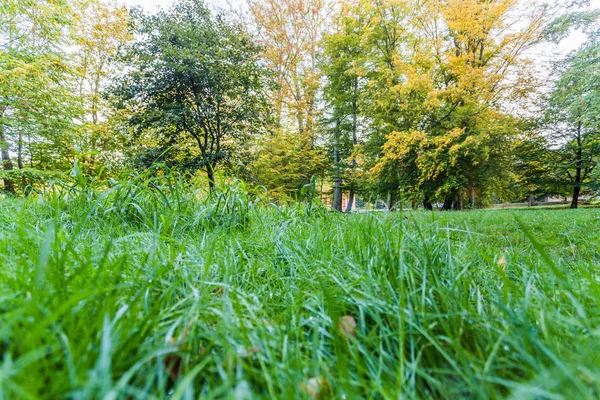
388 103
344 87
461 60
36 105
196 81
290 32
101 29
284 162
573 118
531 164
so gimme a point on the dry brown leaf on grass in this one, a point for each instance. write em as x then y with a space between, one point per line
314 387
219 291
502 263
347 326
249 352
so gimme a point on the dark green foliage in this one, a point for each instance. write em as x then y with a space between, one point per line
572 118
195 82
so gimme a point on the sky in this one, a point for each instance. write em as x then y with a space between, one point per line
569 44
152 5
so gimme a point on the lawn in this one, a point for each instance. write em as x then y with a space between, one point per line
148 291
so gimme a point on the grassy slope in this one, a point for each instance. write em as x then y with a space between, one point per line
109 296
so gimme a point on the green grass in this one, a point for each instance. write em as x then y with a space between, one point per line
150 290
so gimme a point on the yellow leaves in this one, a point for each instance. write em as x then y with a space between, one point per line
478 43
291 33
399 144
472 20
99 32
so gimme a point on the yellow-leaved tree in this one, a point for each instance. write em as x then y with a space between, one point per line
464 60
102 27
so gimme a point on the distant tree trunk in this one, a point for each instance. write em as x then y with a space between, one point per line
578 163
391 200
7 164
210 173
458 204
337 184
299 111
350 200
472 200
448 203
354 141
576 189
30 151
427 203
20 151
20 158
530 200
575 201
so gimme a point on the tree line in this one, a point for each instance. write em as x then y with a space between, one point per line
414 102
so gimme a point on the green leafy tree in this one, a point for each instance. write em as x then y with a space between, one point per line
573 119
285 162
37 107
195 80
341 66
532 165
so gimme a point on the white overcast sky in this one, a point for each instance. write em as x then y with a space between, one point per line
153 5
569 44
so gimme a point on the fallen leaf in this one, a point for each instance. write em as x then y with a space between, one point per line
347 326
502 263
219 291
250 351
314 387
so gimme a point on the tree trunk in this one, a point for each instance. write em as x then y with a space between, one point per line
427 203
458 204
579 162
337 177
350 200
20 151
7 164
20 159
448 203
472 200
337 180
210 173
576 189
354 141
530 200
299 110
